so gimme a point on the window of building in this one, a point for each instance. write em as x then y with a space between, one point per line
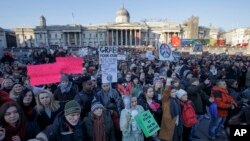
40 36
83 35
49 35
55 35
90 35
96 35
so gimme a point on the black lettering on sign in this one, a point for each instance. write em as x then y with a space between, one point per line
239 132
108 50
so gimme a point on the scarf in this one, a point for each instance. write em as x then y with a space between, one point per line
65 89
14 131
99 130
174 107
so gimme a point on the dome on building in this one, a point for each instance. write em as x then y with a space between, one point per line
122 16
42 21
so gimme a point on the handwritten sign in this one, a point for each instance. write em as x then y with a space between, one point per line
70 65
44 74
108 61
147 123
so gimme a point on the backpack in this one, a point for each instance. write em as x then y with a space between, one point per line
188 114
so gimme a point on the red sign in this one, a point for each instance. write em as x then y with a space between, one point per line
175 41
70 65
44 74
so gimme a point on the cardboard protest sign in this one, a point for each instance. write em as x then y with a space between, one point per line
70 65
147 123
108 61
44 74
165 52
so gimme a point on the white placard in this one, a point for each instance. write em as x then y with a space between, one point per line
108 60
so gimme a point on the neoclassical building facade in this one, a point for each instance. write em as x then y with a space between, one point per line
122 33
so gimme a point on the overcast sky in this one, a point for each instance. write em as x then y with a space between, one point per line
226 14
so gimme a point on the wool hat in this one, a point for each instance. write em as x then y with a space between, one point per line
95 105
72 107
180 93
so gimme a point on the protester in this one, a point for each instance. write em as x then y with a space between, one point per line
13 123
108 95
86 95
66 127
98 124
46 108
65 91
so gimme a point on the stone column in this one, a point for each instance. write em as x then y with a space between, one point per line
135 37
126 38
80 38
68 39
130 36
75 39
112 37
108 38
64 39
139 37
117 37
121 38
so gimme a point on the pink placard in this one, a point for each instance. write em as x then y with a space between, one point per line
70 65
44 74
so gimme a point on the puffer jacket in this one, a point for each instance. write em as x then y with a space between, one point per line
223 100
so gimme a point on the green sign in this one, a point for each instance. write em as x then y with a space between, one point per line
147 123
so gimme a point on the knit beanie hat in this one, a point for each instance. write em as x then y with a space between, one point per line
180 93
95 105
72 107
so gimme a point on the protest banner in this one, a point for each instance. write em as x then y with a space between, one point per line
147 123
44 74
108 58
70 65
197 47
165 52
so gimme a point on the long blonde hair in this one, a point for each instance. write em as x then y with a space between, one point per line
54 105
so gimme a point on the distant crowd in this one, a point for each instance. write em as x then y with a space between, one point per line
179 95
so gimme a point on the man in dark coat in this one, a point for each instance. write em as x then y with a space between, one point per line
66 127
86 96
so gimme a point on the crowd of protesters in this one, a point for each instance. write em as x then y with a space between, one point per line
82 108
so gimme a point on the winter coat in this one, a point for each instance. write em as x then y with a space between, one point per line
44 120
88 125
133 132
113 98
157 114
248 78
63 98
84 99
4 97
223 100
168 123
198 98
61 130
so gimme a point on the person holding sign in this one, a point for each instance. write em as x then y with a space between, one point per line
129 127
148 103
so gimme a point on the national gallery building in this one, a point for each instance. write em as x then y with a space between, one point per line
121 33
